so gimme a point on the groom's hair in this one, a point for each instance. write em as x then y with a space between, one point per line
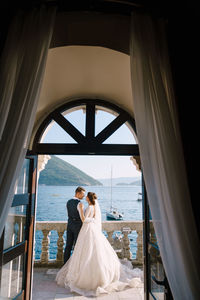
79 189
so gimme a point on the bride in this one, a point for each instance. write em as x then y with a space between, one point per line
94 267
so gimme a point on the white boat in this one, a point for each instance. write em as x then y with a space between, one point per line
139 197
113 214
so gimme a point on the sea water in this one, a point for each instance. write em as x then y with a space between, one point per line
51 206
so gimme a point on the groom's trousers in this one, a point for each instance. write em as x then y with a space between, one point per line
72 235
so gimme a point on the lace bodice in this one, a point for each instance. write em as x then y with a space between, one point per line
89 211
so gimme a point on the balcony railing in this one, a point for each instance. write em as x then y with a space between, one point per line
120 244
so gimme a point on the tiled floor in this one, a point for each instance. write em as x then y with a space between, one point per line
45 288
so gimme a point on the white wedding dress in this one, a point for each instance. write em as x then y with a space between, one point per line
94 267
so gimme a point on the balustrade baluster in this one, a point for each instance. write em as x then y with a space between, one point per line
60 244
122 246
45 247
139 253
110 237
126 243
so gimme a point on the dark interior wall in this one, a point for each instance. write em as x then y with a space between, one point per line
92 29
6 15
183 36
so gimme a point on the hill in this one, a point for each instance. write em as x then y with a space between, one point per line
59 172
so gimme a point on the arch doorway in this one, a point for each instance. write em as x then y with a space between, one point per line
100 128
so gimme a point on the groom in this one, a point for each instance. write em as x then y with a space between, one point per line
74 221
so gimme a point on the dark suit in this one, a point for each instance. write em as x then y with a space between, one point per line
73 227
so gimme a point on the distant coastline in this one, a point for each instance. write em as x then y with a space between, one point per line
138 183
58 172
121 181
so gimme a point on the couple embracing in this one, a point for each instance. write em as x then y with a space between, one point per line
94 267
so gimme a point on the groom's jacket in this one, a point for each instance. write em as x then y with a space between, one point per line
73 214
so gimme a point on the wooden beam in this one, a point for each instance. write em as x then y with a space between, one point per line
69 128
90 121
30 225
87 149
111 128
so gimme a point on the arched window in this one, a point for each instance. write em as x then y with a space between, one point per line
87 127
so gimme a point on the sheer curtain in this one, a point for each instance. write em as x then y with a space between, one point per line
162 156
22 66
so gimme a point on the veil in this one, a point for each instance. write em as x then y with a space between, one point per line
98 214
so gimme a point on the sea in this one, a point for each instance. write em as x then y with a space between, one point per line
51 206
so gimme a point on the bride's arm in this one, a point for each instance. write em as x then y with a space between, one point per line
81 212
87 212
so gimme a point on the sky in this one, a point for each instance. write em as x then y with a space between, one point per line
98 167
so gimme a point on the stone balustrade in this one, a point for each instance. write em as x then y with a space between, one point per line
121 243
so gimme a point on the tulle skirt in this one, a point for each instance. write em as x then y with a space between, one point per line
94 267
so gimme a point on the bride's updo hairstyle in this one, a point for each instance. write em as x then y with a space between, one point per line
92 197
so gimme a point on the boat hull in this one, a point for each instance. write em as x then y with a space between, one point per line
111 217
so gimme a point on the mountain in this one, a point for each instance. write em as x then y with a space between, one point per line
60 172
121 181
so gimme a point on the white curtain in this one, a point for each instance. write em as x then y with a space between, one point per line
22 67
162 156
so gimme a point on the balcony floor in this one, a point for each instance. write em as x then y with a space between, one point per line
45 288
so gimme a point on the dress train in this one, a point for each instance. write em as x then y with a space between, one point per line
94 267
